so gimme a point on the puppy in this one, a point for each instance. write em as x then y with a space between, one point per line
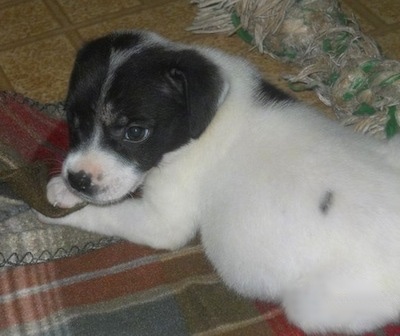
290 206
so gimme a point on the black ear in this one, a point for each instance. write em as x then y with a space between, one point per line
202 85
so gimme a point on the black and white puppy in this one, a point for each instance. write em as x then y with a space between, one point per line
290 206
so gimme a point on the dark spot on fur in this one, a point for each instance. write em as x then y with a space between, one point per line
266 92
326 202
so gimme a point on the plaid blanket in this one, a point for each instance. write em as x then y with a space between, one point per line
125 289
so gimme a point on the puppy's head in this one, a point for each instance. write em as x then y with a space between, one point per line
133 97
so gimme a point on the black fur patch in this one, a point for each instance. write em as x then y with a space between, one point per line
266 92
326 202
172 92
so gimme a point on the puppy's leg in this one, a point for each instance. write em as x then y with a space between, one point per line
133 220
137 220
337 302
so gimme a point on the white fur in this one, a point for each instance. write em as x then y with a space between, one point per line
252 185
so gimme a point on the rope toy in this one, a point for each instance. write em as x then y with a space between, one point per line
341 64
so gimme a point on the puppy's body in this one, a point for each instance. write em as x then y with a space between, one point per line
290 206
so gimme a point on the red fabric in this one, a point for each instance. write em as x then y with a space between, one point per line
31 133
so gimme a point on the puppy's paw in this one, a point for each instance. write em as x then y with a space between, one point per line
59 195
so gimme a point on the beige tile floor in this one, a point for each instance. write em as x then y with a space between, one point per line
39 38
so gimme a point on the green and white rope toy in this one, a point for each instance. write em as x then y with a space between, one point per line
341 64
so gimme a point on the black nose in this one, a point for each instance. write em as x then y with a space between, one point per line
80 181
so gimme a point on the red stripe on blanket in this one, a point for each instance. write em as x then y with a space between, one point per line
276 319
34 135
13 279
390 330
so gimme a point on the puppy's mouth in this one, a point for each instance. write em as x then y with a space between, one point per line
107 194
101 200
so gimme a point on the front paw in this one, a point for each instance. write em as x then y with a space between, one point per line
59 195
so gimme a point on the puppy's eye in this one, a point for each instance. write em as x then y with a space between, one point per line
137 134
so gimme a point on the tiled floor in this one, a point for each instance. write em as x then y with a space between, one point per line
39 38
